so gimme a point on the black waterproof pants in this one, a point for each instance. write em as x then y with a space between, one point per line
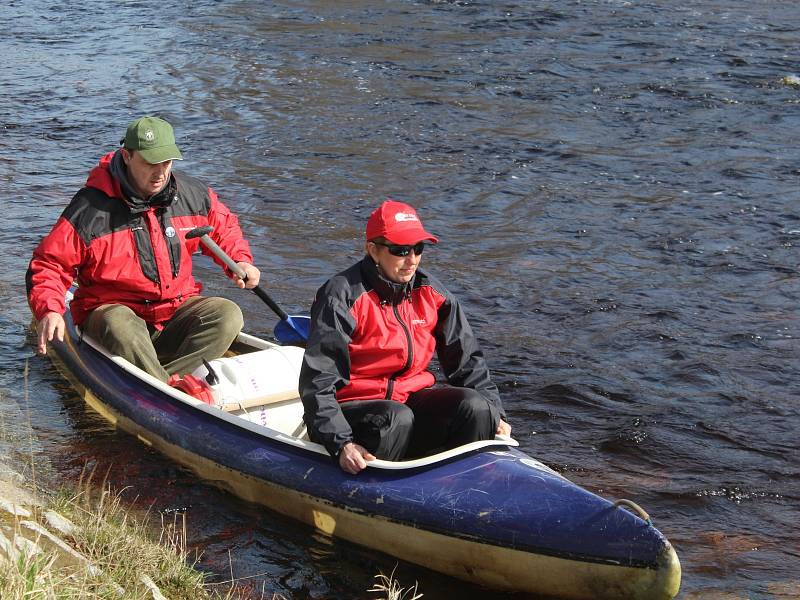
431 420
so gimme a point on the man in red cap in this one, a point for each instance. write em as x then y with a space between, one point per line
365 382
123 237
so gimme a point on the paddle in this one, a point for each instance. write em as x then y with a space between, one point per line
289 330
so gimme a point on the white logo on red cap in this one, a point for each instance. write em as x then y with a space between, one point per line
405 217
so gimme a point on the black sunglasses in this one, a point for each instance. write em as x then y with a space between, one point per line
397 250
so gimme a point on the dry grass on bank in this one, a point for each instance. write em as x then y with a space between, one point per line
388 585
90 547
87 546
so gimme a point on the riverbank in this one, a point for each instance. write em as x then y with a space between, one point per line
88 545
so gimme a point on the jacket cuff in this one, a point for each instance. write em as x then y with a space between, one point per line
51 306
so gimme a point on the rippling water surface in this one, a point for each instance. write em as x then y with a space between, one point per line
615 187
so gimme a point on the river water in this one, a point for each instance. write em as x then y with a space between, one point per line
615 187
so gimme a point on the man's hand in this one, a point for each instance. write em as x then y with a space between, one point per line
503 428
51 327
353 458
252 273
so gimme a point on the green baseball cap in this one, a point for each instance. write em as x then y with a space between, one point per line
153 138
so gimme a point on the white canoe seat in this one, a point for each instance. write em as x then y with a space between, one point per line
279 396
285 416
253 379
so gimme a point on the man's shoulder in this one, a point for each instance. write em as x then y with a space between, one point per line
191 186
93 213
192 195
90 201
182 177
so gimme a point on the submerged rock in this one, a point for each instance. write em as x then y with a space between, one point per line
791 80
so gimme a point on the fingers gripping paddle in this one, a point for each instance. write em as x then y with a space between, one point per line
289 330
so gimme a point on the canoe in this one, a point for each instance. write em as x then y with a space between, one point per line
485 513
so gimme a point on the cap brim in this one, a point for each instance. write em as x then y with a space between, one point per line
412 236
161 154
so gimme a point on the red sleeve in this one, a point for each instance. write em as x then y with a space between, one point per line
53 268
227 233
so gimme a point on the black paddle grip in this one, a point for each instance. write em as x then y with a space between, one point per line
199 232
271 303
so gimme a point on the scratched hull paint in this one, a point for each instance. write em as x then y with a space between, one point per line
491 515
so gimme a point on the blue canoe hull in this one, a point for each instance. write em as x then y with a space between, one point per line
492 516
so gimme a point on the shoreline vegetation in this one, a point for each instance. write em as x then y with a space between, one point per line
86 544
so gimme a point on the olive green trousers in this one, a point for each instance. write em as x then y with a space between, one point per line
202 328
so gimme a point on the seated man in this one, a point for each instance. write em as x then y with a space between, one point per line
123 236
365 384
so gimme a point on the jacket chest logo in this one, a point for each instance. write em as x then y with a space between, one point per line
170 232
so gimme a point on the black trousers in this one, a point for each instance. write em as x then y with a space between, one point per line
431 420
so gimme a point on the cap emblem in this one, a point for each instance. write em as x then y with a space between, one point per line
149 135
401 217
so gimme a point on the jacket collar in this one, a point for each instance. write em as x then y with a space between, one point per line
119 172
388 291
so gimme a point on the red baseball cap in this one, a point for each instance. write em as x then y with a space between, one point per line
398 223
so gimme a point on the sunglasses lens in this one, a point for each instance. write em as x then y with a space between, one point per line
405 250
398 250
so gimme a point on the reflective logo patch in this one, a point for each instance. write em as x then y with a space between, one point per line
401 217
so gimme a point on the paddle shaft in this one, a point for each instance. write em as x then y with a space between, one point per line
220 253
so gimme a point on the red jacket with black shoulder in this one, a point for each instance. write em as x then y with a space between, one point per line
133 255
374 339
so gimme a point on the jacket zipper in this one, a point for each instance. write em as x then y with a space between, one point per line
409 360
173 246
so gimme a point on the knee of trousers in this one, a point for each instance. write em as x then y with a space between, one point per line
476 409
115 319
475 404
478 413
229 315
395 422
394 436
402 417
120 330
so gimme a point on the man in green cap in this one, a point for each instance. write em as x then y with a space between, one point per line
123 237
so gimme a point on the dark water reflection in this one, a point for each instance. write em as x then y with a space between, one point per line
614 185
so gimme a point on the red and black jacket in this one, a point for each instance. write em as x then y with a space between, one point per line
136 255
373 339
